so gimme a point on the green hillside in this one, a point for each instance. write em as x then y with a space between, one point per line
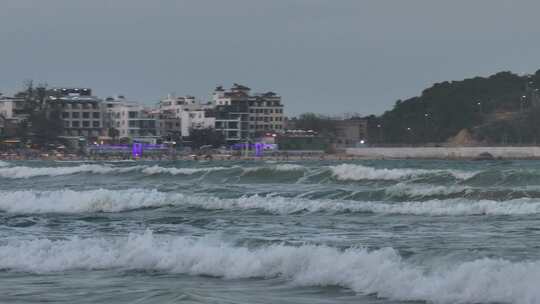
501 109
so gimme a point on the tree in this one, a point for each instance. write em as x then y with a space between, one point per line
206 136
44 116
113 133
315 122
446 108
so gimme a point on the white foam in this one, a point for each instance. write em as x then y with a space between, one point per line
448 207
3 163
278 167
422 190
289 167
101 200
69 201
360 172
382 272
28 172
179 171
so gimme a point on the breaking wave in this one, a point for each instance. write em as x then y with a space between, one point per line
28 172
419 190
381 272
69 201
176 171
449 207
101 200
360 172
342 172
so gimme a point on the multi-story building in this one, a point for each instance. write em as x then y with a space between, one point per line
178 115
130 120
12 108
196 119
82 113
242 116
350 132
265 114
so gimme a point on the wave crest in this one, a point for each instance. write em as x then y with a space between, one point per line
176 171
69 201
102 200
382 272
28 172
360 172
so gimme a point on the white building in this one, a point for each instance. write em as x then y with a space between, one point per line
195 119
12 108
178 115
130 120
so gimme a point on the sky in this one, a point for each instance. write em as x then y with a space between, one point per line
324 56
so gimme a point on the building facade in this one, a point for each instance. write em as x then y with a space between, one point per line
82 113
241 115
130 120
350 132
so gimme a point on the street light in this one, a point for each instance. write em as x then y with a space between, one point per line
380 132
426 116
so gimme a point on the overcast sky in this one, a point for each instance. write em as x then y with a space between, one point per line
326 56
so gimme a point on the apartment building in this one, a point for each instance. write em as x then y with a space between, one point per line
179 114
131 120
241 115
265 114
12 108
82 113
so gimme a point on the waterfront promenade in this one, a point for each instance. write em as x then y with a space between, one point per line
507 152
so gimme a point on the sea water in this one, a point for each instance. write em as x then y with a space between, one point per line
270 232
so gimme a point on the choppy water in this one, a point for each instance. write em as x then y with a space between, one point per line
263 232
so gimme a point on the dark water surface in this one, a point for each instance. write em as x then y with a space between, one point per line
270 232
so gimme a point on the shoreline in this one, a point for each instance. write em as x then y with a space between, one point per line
367 153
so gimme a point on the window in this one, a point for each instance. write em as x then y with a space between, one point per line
86 115
75 106
75 115
75 124
86 124
65 114
133 114
95 114
86 106
95 124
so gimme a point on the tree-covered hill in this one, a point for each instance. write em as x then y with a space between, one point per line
501 109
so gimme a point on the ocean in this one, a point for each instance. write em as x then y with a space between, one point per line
385 231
